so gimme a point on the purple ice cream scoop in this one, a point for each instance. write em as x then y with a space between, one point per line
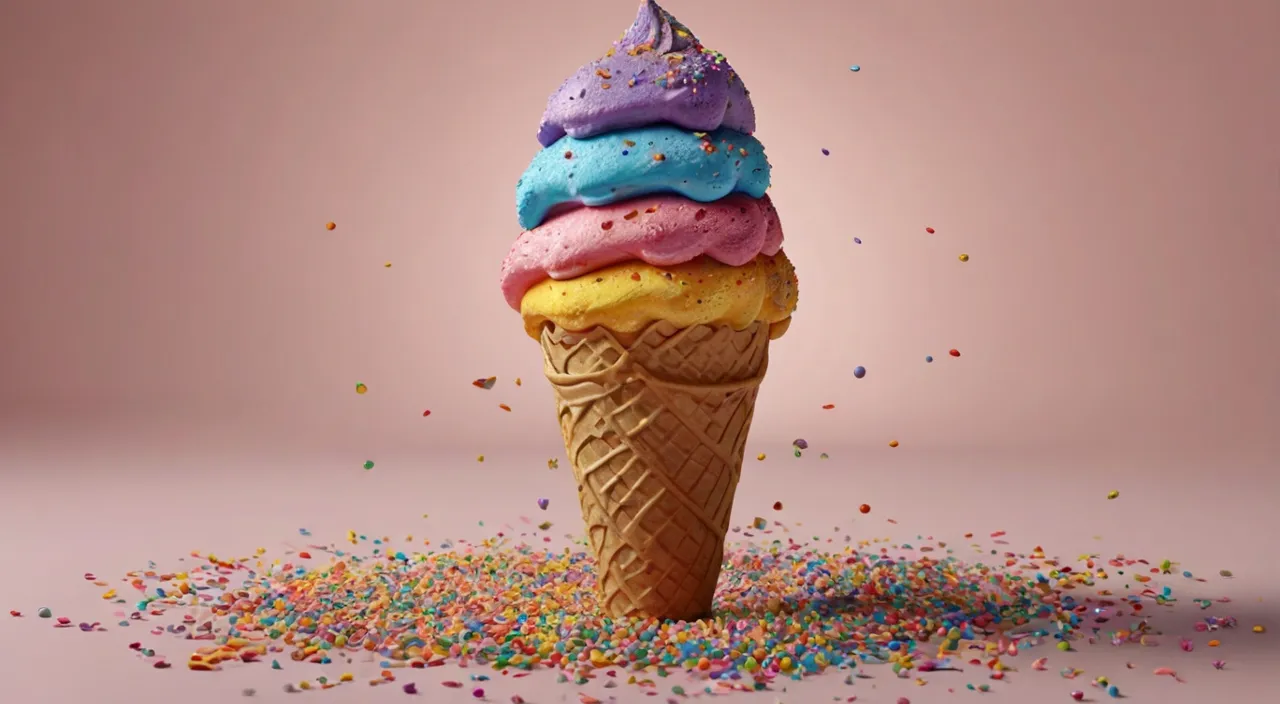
657 72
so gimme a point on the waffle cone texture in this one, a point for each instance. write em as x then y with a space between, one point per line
655 424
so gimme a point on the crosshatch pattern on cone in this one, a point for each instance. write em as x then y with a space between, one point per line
655 424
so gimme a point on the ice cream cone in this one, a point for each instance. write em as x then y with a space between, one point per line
655 424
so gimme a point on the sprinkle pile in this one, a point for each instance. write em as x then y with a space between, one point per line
784 610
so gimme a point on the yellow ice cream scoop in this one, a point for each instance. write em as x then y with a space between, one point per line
629 296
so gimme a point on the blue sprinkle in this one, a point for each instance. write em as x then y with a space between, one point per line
857 240
929 358
855 68
859 372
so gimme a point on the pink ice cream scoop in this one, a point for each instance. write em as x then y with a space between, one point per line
661 230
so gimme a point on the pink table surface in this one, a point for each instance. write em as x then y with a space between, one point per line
116 503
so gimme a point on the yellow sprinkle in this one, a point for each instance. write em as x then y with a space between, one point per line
893 443
1259 629
553 463
963 258
387 265
1113 494
760 457
346 677
479 458
517 381
361 388
110 594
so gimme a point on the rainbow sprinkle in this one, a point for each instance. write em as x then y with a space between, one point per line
784 610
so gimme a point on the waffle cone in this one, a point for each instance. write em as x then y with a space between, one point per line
655 424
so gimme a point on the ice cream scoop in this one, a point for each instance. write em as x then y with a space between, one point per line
627 297
657 72
660 230
635 162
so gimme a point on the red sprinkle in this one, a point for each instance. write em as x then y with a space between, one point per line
777 506
829 406
606 225
16 614
304 555
929 230
954 353
426 413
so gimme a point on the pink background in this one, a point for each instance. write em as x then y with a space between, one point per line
177 321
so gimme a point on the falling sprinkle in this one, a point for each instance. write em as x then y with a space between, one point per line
504 407
543 503
330 225
544 525
553 463
518 382
828 406
929 230
426 413
800 443
964 257
1113 494
479 458
387 265
857 240
361 388
759 523
864 508
859 372
368 464
954 353
893 443
777 506
826 152
760 457
928 358
855 68
485 384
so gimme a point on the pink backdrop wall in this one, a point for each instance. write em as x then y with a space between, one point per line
1113 169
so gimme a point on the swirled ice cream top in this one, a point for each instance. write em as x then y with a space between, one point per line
657 72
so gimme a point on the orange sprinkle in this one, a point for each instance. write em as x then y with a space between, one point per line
504 407
829 406
330 225
659 157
